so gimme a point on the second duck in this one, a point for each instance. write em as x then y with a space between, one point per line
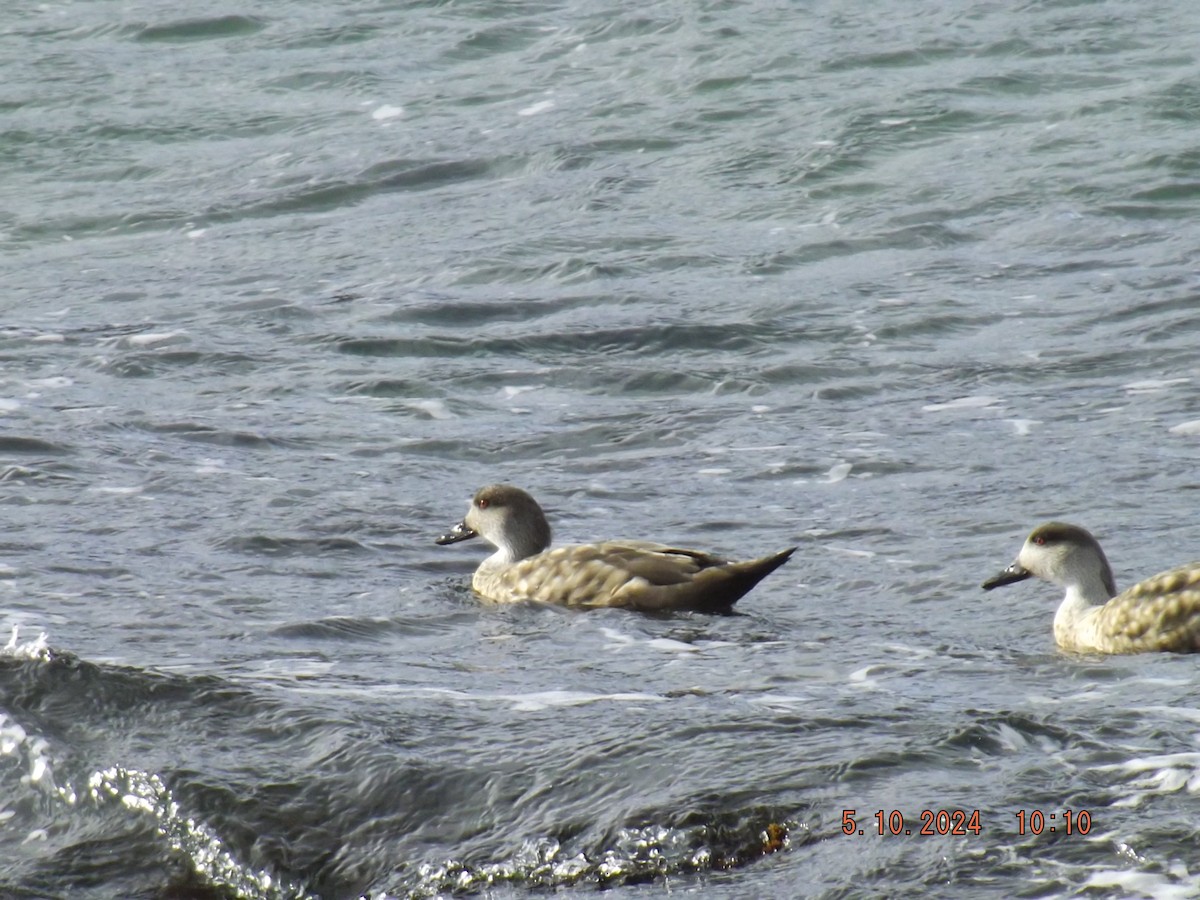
1159 614
632 574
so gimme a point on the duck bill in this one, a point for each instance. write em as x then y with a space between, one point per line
459 532
1012 574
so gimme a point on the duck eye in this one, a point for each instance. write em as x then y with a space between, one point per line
1039 540
482 503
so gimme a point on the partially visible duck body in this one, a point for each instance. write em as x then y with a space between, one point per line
631 574
1161 613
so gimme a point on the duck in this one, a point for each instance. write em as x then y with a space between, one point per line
638 575
1161 613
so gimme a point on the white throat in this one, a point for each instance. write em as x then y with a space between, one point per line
1075 619
504 556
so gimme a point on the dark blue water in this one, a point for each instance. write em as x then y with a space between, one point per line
284 286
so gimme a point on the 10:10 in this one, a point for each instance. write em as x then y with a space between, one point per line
1034 821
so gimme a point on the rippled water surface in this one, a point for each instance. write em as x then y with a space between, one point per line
283 285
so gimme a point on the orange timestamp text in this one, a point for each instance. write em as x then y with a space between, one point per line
962 822
940 821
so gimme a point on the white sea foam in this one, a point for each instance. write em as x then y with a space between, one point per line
1166 773
978 402
863 677
910 651
114 489
540 700
619 641
534 108
837 473
35 649
435 409
672 645
1179 712
1149 763
847 551
515 390
1188 428
1152 385
1023 426
17 742
531 702
151 338
12 736
779 700
145 793
1011 739
54 381
1178 883
385 112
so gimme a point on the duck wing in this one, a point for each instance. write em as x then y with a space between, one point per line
1160 613
636 575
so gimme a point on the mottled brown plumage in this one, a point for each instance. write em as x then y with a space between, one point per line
1161 613
631 574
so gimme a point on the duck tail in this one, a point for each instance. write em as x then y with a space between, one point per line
740 578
